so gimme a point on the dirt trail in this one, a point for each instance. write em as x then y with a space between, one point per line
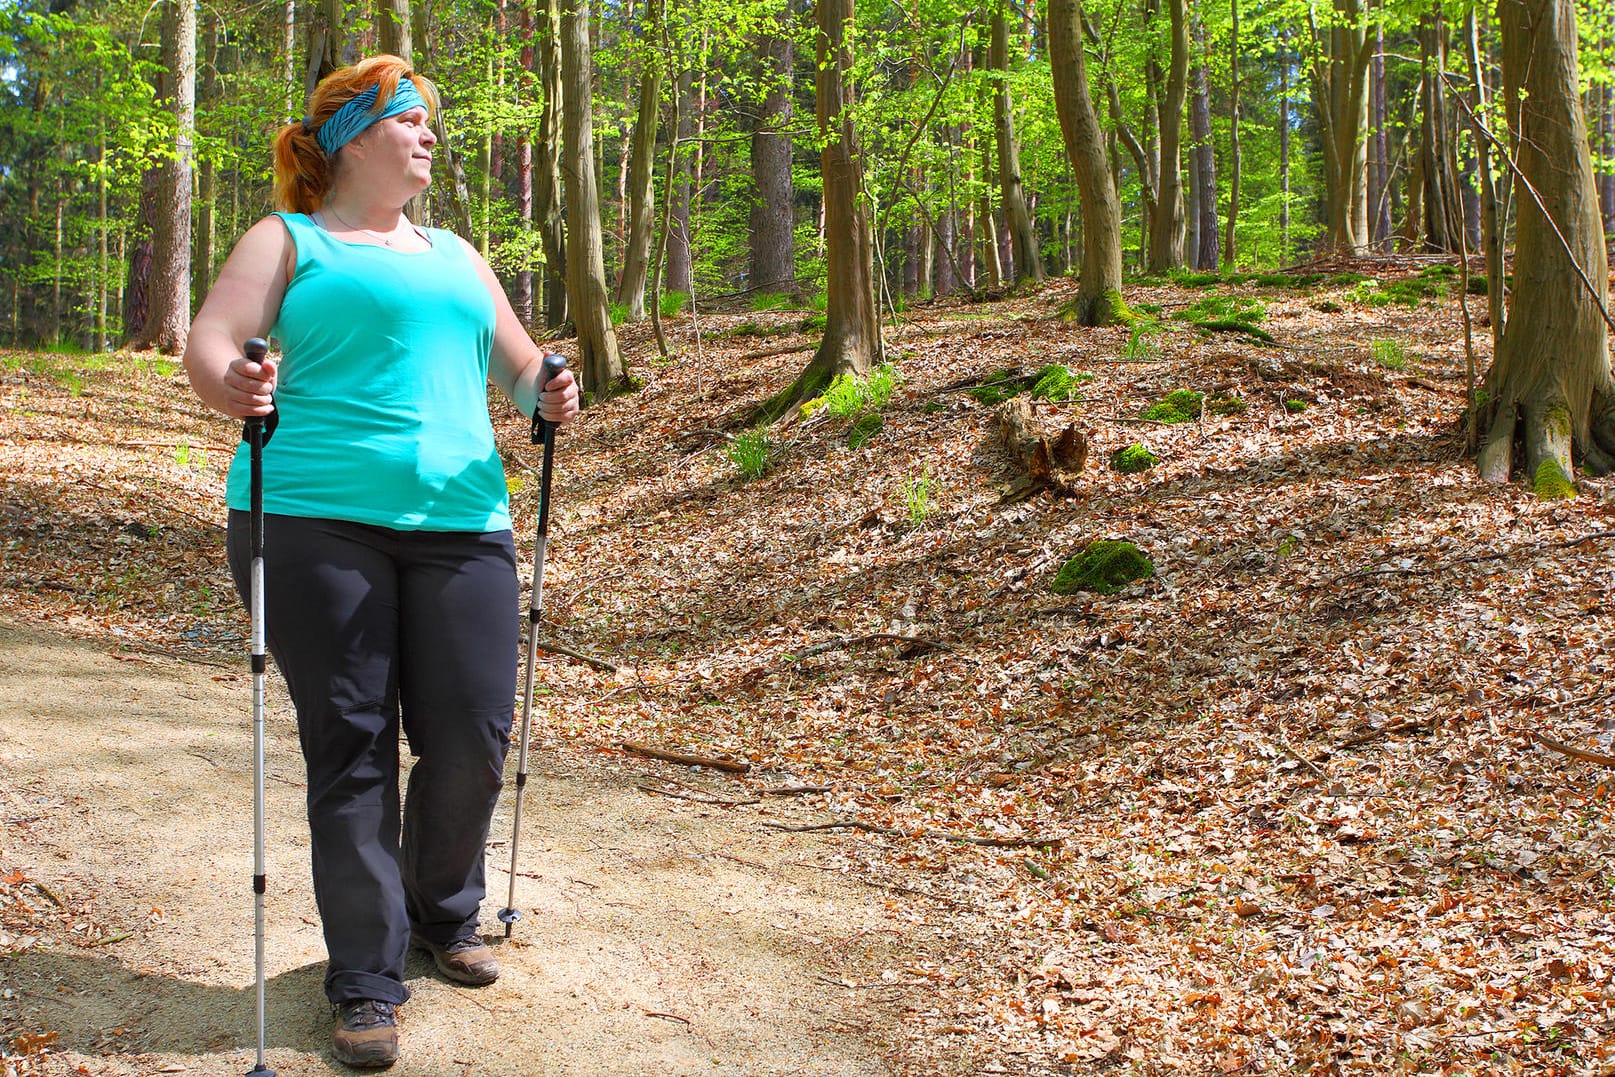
661 937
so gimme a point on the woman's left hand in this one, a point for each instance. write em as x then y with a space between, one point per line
558 402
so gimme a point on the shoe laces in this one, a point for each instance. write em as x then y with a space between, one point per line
366 1013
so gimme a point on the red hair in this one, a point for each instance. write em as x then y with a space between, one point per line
303 170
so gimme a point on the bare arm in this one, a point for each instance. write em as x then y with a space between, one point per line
244 302
517 364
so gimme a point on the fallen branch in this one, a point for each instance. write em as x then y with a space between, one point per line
684 758
1573 752
552 647
794 790
873 637
967 839
667 1016
110 939
1409 726
721 802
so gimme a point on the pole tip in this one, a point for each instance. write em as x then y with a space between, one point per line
260 1070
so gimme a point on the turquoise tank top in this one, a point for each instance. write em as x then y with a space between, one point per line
382 390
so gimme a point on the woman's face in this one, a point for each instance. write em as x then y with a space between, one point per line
398 146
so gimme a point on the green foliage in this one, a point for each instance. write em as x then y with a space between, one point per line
999 388
618 312
1294 406
672 304
848 395
1139 348
752 451
1059 383
1388 353
1408 292
1227 405
1132 459
1178 406
1103 567
813 323
919 498
1224 308
764 301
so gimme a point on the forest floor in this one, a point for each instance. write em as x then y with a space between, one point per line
1286 806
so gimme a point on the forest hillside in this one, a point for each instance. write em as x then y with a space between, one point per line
1317 782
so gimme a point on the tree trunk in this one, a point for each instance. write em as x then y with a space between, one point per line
522 299
1379 159
641 189
1340 92
1550 387
1438 199
773 218
1099 297
393 26
599 362
547 168
851 326
1166 225
1026 258
168 319
1231 229
679 267
206 175
1204 156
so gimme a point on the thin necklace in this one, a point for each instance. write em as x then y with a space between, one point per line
385 237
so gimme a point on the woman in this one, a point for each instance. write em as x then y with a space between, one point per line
391 572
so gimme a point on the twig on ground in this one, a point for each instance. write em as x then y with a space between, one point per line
667 1016
1309 764
873 637
794 790
110 939
684 758
598 663
1409 726
967 839
719 801
1573 752
705 432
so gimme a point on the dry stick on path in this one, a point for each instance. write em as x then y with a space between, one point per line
551 647
873 637
684 758
871 828
1572 751
696 798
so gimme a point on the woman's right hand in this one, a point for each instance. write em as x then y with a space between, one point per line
249 387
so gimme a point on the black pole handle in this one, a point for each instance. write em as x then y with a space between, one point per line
256 349
553 365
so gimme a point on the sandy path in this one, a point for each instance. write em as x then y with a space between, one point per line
660 937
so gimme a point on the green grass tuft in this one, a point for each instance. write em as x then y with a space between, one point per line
752 452
672 304
1059 383
1388 353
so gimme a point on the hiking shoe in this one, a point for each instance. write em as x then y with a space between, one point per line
366 1033
466 961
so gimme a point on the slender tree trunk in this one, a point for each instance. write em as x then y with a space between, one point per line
1026 258
599 361
945 283
1204 156
168 320
1284 144
1099 298
1231 228
1379 157
393 25
1166 227
547 168
773 216
1438 199
1340 92
207 174
679 267
1550 387
641 188
522 299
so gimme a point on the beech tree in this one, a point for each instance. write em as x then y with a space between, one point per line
1549 391
599 360
168 284
1098 299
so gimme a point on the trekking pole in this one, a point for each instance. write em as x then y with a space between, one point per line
255 349
543 433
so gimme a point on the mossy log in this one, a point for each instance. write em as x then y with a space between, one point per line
1043 459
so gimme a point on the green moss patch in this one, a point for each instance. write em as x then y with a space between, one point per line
1059 383
1227 405
1103 567
864 428
1132 460
1178 406
1551 483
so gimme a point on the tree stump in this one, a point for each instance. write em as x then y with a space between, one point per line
1043 459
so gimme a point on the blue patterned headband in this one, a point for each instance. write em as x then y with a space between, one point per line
360 112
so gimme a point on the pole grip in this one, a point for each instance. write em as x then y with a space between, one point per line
255 349
553 365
